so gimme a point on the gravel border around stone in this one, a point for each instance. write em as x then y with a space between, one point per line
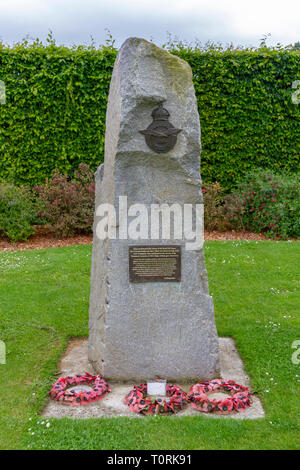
75 361
42 240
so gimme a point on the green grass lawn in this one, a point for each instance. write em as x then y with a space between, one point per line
44 296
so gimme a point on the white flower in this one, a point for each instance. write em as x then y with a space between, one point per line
47 425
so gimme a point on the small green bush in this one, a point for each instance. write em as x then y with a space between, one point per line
68 205
271 203
17 212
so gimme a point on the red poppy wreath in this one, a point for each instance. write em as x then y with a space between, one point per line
239 399
139 402
60 391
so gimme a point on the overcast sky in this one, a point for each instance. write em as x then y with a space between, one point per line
73 21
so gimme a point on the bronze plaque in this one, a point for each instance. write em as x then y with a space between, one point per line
155 263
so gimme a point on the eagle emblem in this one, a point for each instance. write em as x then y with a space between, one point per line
160 135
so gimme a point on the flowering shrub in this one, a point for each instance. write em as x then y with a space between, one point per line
17 212
68 205
271 203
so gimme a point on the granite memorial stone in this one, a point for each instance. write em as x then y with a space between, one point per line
151 315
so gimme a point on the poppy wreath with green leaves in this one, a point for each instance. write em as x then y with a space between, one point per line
239 399
139 402
61 391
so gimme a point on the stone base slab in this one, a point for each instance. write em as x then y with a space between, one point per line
75 361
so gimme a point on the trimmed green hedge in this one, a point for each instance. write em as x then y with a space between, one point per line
248 119
54 116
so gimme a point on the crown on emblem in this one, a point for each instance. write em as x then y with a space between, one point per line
160 113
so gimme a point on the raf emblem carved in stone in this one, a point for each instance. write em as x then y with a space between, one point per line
160 135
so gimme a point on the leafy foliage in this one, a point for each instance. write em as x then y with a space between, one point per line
248 119
56 99
212 199
272 203
17 212
69 204
221 211
54 116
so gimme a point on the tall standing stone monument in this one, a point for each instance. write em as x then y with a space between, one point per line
151 315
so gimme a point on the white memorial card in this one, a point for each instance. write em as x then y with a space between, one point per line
156 387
